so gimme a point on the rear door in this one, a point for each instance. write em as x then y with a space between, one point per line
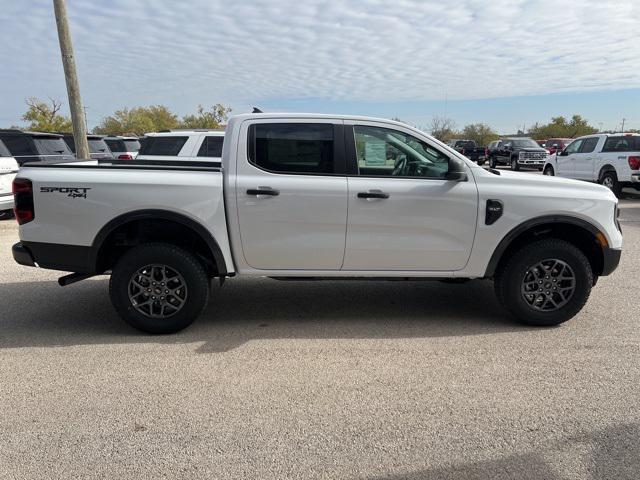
404 215
291 193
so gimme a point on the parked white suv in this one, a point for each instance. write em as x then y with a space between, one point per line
8 169
612 160
315 196
182 145
123 148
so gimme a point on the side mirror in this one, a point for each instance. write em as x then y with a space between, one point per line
456 176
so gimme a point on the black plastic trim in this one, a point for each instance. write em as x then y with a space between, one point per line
523 227
162 163
22 255
611 260
125 165
150 214
54 256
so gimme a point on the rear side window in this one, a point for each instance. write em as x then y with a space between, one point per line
4 151
51 146
166 146
622 144
211 147
19 145
589 145
302 148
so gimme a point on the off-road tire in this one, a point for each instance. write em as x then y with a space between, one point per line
190 269
510 276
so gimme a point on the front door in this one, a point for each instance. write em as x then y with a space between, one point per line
292 200
565 160
404 214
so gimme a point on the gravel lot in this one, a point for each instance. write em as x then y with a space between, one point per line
363 380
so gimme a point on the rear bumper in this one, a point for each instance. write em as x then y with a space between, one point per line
611 260
22 255
66 258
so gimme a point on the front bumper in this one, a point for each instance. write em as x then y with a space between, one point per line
611 260
6 201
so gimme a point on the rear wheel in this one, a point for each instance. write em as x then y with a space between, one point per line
6 214
159 288
610 180
548 170
544 283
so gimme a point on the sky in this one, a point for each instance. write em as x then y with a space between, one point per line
508 63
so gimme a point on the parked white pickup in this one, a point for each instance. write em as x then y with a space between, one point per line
612 160
315 196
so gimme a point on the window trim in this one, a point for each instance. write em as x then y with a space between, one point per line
339 156
352 155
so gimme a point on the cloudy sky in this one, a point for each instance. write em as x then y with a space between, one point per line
506 62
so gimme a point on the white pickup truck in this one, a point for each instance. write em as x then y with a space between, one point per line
315 196
612 160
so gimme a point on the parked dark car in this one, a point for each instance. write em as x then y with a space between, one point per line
98 149
469 149
518 152
35 146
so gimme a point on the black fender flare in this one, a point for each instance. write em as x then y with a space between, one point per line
529 224
151 214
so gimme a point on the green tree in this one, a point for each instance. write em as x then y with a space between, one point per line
443 128
138 121
560 127
481 133
46 117
212 118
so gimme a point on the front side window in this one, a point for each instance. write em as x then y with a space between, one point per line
164 146
385 152
211 147
573 147
589 145
302 148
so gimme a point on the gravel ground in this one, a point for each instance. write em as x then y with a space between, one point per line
362 380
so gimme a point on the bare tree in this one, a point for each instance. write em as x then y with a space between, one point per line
443 128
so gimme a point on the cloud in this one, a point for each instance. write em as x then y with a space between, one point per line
205 51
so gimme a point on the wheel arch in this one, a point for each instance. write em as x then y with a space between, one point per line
140 226
606 168
577 231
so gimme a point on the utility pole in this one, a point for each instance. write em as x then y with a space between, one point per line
71 78
623 120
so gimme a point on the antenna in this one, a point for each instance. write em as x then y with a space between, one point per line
257 110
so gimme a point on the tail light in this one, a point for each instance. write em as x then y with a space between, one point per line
23 200
634 163
126 156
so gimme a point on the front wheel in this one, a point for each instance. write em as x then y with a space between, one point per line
159 288
6 214
544 283
548 170
493 162
514 164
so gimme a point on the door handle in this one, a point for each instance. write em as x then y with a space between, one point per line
263 191
373 195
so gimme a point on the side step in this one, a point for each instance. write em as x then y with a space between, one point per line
72 278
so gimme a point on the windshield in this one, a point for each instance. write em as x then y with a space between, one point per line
51 146
132 145
466 144
526 143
